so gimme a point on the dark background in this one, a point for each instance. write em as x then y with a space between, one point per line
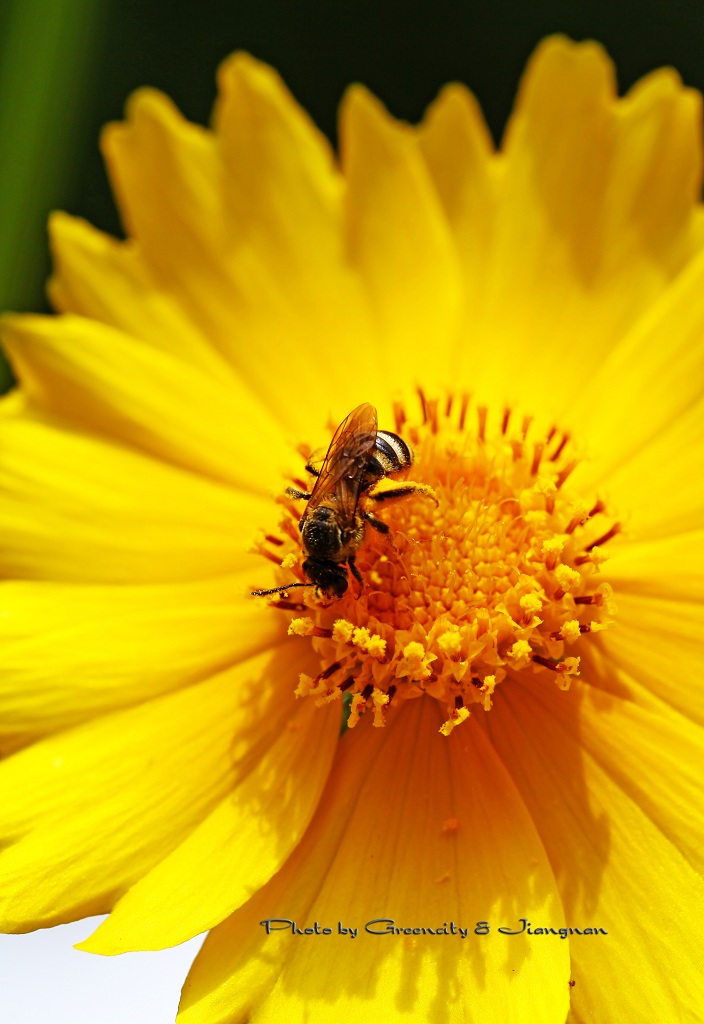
404 51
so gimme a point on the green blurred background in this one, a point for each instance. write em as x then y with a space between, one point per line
67 66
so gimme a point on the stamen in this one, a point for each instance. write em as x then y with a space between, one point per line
399 416
545 662
271 556
564 473
492 578
482 414
602 540
423 404
560 448
463 411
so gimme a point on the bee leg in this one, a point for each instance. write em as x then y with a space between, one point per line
404 491
376 523
293 492
356 573
312 470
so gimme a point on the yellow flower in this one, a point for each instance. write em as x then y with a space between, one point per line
522 666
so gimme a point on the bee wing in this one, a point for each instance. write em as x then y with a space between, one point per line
347 458
316 459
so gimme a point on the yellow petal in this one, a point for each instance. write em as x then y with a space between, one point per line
659 643
76 509
417 828
166 176
107 382
106 280
654 755
457 147
670 567
458 150
95 808
245 840
400 242
595 215
606 853
217 263
280 174
71 652
659 489
642 414
291 284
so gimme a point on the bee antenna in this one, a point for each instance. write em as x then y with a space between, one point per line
279 590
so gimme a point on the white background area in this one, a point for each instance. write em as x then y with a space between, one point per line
43 980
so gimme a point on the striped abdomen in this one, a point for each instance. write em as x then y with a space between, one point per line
391 454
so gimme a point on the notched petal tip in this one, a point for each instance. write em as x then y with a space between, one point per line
257 74
153 103
66 231
361 112
456 108
560 67
248 84
149 115
559 50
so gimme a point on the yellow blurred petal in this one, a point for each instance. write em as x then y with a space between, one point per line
459 153
111 798
246 840
642 415
659 766
379 847
205 245
400 242
165 172
107 382
106 280
659 643
76 509
71 652
659 488
670 567
281 173
608 857
291 283
595 216
457 147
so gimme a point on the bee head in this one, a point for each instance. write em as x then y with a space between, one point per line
328 577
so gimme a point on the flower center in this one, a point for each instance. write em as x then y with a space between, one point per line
499 578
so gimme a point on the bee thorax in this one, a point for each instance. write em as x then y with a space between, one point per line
321 535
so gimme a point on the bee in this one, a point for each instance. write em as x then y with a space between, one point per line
334 522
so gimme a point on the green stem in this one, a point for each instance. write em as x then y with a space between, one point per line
47 61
